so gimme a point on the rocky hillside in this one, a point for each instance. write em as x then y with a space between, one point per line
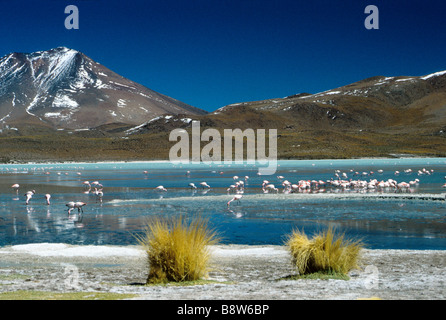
404 104
379 116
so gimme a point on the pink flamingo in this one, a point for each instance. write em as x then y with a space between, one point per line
79 206
47 197
29 195
87 184
236 197
99 194
270 187
72 205
16 187
161 188
204 185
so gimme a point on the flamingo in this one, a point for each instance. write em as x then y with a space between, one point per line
403 185
160 188
72 205
204 185
16 187
79 206
29 195
236 197
99 194
270 187
96 183
240 186
231 188
192 186
47 197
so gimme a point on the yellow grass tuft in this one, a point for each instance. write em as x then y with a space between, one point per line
324 253
178 251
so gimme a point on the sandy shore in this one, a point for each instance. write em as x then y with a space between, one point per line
240 272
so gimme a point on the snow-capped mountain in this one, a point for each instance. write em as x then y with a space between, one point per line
63 88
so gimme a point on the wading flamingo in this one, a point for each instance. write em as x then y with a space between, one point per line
160 188
72 205
99 194
29 195
16 187
204 185
47 197
270 187
236 197
87 185
79 206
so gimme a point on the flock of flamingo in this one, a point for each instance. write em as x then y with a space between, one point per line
98 191
340 182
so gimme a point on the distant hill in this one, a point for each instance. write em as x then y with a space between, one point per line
378 116
404 104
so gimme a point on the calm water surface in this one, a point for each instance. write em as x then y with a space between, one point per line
130 199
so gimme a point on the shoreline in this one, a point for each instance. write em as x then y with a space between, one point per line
164 161
239 272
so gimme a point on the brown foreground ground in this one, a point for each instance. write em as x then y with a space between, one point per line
240 272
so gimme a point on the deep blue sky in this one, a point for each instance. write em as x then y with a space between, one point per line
210 53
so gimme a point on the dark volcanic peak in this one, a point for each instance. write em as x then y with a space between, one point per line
64 88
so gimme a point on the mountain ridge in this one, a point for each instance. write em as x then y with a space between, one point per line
372 103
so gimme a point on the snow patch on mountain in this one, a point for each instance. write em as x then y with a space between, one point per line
64 101
436 74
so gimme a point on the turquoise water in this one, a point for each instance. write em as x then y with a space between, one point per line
130 199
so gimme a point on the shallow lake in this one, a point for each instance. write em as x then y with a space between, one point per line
130 199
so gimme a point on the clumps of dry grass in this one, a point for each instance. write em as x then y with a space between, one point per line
325 252
177 250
